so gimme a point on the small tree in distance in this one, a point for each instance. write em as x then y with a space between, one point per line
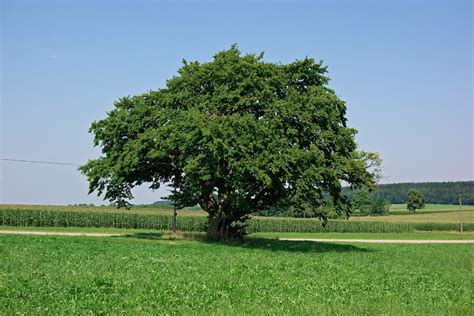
415 201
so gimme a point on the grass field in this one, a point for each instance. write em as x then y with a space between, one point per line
432 213
430 207
411 236
421 217
65 275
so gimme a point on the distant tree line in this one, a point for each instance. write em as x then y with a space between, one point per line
433 192
165 204
362 204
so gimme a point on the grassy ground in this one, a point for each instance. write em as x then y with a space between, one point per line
411 236
64 275
421 217
430 207
416 235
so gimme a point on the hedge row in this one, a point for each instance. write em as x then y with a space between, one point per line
38 218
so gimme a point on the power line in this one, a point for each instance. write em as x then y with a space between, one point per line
42 162
57 162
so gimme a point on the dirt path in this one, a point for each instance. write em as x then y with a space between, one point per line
371 241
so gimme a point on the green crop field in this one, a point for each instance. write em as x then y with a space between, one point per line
101 209
437 212
432 213
85 275
430 207
433 218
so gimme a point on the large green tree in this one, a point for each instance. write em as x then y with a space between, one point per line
235 135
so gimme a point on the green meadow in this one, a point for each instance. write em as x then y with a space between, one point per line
150 272
139 275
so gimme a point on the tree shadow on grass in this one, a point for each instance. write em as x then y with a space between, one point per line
304 246
167 236
267 244
144 235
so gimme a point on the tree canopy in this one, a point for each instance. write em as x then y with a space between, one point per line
235 135
415 201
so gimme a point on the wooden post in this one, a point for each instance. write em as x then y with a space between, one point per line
460 216
174 217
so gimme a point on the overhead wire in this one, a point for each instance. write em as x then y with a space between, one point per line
41 162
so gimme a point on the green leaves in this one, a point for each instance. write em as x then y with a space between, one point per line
236 135
365 204
415 201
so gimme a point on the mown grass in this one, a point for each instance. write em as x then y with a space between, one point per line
430 207
410 236
66 275
446 216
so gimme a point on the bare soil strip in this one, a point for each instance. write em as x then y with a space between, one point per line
371 241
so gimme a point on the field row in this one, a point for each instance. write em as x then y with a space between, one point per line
38 218
101 209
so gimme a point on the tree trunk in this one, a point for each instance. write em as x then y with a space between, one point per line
220 227
174 218
224 223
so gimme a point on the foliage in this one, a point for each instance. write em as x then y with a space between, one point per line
79 276
164 204
327 209
361 202
365 204
38 218
380 206
415 200
235 135
434 192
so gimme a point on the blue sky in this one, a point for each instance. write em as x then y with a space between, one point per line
403 67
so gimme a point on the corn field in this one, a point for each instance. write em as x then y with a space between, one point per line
60 218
